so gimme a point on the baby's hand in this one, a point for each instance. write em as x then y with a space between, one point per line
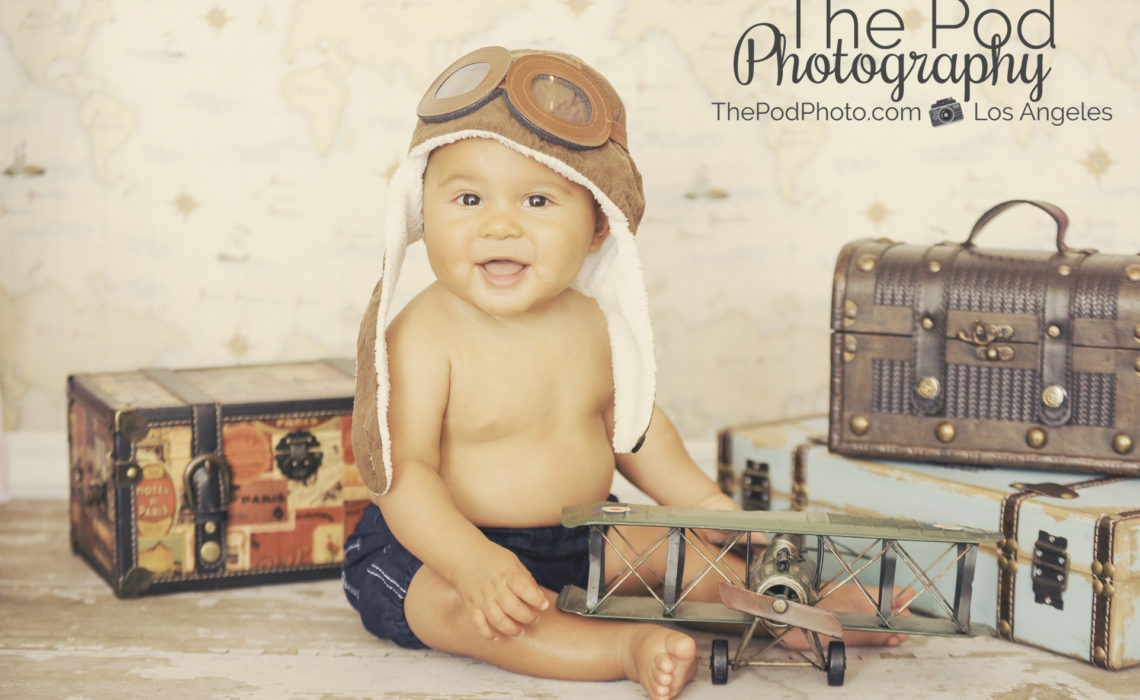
717 501
500 594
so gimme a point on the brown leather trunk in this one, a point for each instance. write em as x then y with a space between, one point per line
209 478
957 354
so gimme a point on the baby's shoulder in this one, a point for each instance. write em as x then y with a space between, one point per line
583 312
423 321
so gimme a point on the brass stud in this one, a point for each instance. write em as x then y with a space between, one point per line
1122 444
1054 331
928 387
1133 273
945 432
210 527
1097 586
779 605
1099 655
850 313
1054 396
1036 438
1096 568
210 552
850 344
1108 569
1004 629
1064 270
867 263
927 322
935 266
1136 364
991 353
1108 590
132 424
860 424
1136 332
132 473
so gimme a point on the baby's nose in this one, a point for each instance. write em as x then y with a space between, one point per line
498 224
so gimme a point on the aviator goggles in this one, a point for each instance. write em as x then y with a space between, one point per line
557 100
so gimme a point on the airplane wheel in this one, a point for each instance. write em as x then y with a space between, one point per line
836 663
718 663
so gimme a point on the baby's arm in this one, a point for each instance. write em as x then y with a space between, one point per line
663 469
499 592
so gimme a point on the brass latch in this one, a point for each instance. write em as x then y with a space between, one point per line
755 486
1050 569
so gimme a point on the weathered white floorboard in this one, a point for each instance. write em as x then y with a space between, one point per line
64 635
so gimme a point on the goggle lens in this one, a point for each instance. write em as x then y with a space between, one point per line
561 98
463 80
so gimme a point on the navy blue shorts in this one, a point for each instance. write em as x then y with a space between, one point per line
377 569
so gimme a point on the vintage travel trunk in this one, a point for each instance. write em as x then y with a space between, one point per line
207 478
958 354
1065 578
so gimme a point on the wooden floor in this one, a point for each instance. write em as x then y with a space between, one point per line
64 635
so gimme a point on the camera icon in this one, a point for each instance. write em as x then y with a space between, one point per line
945 111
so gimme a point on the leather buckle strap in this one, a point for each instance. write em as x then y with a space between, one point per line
206 479
207 484
928 395
1055 404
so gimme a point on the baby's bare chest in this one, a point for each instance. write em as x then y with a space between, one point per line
511 382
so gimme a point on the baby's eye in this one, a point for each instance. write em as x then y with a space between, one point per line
468 199
537 200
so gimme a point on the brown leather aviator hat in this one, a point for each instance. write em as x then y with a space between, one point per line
553 108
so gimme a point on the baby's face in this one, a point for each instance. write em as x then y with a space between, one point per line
503 231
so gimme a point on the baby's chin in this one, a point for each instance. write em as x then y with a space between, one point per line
511 302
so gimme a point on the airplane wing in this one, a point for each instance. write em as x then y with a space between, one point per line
786 522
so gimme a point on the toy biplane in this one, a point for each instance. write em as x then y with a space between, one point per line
781 586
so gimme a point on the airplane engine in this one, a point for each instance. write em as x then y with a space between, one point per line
783 571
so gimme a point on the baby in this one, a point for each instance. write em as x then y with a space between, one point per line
516 383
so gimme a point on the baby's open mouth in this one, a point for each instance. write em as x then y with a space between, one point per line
503 270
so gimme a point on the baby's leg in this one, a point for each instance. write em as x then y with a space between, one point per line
559 645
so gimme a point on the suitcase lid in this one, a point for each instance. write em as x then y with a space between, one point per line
249 385
990 295
1067 505
1063 504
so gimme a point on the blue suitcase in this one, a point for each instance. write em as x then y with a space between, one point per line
1064 578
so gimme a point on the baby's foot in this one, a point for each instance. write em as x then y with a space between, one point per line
661 660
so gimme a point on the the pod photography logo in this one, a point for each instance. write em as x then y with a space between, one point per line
921 62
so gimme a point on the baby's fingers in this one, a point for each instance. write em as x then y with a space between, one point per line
479 620
501 621
524 602
530 593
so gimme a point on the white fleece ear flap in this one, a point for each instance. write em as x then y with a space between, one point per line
403 214
612 275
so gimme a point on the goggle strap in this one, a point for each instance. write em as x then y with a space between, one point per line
617 134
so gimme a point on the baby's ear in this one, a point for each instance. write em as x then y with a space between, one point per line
601 227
